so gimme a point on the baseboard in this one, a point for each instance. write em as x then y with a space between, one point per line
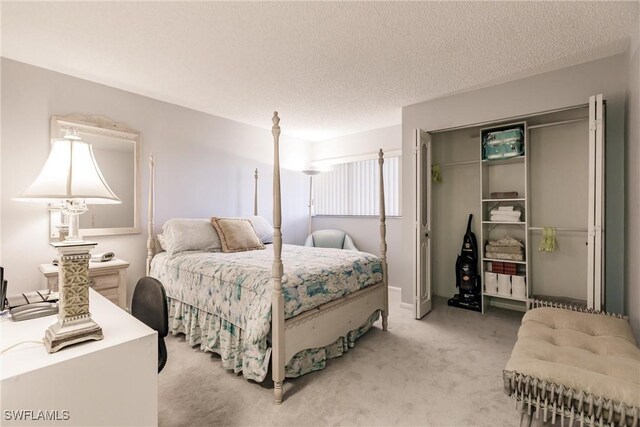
406 305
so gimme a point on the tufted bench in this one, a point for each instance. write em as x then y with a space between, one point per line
576 365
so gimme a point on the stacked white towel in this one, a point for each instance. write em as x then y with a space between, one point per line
506 214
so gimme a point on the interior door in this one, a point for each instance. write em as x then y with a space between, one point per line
422 285
596 204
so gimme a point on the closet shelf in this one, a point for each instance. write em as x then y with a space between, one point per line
504 222
493 162
504 297
505 200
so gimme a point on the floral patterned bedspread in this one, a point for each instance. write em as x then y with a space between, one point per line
226 291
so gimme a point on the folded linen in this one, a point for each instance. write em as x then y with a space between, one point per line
509 214
499 255
505 218
507 209
505 249
506 241
515 214
504 194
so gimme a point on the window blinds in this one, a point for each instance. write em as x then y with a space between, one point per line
353 188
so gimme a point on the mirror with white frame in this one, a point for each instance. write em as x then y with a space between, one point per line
116 148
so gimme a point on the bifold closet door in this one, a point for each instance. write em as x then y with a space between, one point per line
422 285
558 198
566 183
596 203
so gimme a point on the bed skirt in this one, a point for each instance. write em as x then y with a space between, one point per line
214 334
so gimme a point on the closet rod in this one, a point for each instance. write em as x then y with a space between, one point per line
509 119
581 230
467 162
563 122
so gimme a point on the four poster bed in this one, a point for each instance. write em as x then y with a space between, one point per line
253 310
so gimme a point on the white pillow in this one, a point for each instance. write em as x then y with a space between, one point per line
161 242
190 234
264 230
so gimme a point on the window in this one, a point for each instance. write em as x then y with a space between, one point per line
352 188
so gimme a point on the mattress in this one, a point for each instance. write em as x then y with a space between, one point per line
231 291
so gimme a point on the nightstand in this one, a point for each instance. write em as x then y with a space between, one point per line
108 278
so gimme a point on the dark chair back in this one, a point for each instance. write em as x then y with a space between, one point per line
149 305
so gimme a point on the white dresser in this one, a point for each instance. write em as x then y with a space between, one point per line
111 382
108 278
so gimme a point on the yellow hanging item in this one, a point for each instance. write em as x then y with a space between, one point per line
436 176
549 242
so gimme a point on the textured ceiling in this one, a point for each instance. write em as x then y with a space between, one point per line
330 68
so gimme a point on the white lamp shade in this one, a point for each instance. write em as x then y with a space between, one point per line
312 172
70 173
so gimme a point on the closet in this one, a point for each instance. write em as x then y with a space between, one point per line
559 181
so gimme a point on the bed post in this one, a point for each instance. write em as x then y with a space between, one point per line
255 194
383 244
277 300
150 214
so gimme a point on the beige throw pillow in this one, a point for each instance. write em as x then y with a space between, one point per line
236 235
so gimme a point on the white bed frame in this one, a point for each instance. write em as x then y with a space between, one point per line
314 328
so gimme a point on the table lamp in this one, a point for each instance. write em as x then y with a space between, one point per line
71 176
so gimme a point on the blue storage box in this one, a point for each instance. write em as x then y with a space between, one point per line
503 144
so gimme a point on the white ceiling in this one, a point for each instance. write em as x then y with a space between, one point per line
329 68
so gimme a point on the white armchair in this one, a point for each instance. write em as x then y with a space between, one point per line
330 239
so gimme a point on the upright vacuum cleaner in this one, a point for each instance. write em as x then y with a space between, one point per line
467 277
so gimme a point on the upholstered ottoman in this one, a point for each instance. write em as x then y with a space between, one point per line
583 367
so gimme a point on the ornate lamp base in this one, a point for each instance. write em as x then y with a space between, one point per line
68 332
74 323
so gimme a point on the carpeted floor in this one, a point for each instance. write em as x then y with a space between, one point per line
443 370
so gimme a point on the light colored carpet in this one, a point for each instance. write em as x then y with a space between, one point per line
443 370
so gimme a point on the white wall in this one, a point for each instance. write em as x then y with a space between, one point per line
204 165
387 138
562 88
633 188
365 230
